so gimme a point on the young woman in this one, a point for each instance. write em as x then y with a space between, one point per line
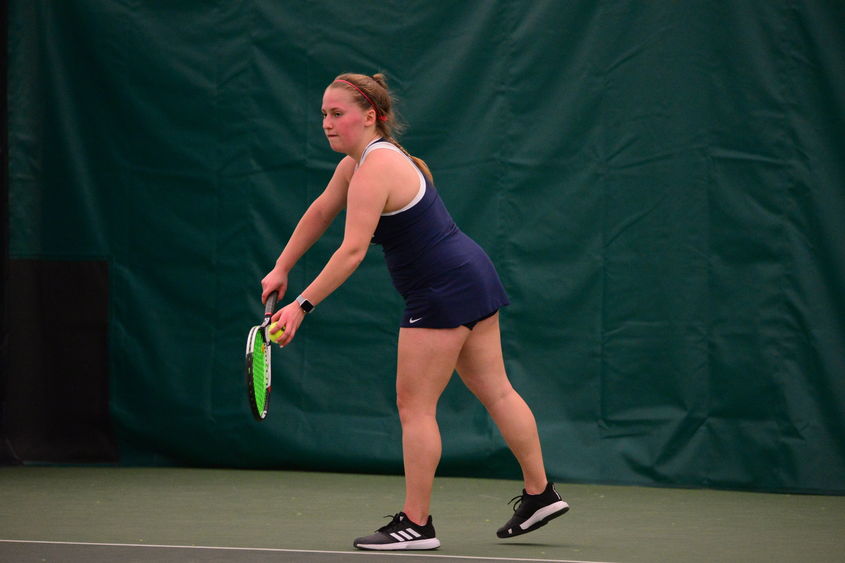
452 295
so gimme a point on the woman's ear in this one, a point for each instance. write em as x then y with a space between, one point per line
370 117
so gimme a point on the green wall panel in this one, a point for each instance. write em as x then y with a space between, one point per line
660 185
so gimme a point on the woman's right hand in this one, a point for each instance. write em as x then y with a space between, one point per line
276 280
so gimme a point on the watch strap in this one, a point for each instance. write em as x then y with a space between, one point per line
306 305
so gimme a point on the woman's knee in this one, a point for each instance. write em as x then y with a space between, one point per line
490 389
412 405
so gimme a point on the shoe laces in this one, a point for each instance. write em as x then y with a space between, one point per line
517 501
395 521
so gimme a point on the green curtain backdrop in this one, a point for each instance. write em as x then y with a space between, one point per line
660 184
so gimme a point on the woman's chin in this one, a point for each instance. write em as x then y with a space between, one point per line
334 144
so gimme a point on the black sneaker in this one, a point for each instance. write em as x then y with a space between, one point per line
533 511
401 533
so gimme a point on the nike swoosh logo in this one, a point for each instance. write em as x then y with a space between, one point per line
412 320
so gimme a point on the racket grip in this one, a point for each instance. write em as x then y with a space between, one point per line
271 303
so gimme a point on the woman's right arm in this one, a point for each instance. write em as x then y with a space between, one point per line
310 228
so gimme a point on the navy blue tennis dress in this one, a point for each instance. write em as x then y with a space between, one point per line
445 278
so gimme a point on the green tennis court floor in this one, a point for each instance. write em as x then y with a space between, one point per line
71 514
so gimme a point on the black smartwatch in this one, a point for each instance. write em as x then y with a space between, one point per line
305 304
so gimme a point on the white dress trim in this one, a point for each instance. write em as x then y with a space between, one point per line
390 146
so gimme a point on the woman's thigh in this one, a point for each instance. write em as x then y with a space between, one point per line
481 364
425 363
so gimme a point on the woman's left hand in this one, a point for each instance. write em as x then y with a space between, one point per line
289 317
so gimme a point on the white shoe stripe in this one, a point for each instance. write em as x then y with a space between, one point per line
397 537
544 512
405 535
413 533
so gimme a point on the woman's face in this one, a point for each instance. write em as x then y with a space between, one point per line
344 122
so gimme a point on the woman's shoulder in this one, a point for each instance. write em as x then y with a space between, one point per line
346 167
383 144
383 164
379 149
377 156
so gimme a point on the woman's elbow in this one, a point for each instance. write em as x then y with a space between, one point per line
353 254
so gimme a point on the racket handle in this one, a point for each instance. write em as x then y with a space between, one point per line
271 303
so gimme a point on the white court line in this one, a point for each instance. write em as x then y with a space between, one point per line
281 550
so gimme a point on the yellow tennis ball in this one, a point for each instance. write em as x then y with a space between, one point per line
275 332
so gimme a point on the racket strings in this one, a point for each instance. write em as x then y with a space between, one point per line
259 372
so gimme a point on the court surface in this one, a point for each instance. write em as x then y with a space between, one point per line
98 514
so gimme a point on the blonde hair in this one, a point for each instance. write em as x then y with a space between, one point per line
372 92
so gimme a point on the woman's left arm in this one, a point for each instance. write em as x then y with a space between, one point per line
366 199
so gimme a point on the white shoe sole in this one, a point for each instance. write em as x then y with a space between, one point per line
544 514
537 520
431 543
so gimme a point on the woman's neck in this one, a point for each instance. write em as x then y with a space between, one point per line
360 151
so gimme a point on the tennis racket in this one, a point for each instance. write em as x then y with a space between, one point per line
258 363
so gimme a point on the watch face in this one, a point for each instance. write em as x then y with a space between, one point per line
305 304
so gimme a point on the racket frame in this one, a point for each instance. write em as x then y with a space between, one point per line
260 332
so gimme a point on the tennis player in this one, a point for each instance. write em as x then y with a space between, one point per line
452 296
